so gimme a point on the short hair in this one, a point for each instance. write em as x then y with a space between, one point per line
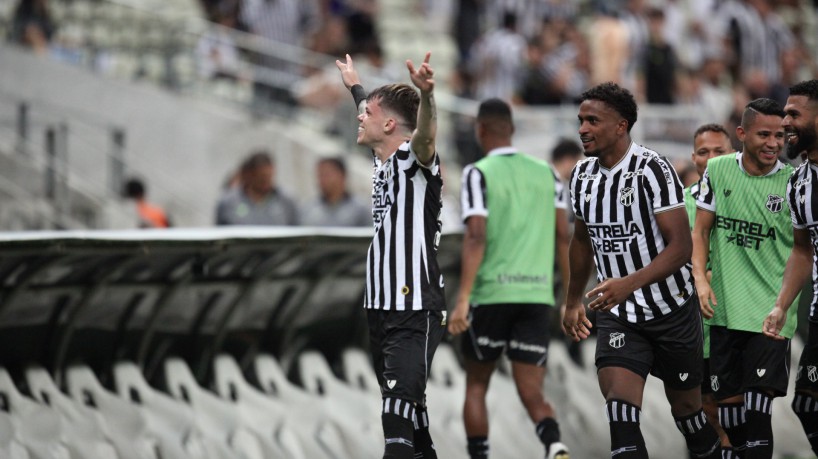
494 108
399 98
256 160
565 148
616 97
762 106
336 161
134 189
807 88
710 127
509 20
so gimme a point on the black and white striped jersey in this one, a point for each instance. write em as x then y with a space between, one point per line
473 188
802 196
402 271
619 207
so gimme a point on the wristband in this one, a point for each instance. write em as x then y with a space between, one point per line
359 95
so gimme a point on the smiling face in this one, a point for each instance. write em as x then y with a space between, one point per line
709 144
601 128
763 141
800 126
371 124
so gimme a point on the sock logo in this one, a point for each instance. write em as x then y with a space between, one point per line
617 340
812 373
714 383
683 376
390 383
624 449
761 371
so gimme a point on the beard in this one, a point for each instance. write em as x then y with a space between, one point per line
806 141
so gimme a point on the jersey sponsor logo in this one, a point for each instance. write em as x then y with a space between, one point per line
742 233
774 203
586 176
802 183
613 238
443 321
505 278
626 196
714 383
391 383
683 376
812 373
636 173
666 170
485 341
761 372
616 340
727 193
527 347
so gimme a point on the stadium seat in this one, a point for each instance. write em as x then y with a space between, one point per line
84 430
38 427
10 447
358 371
217 415
166 414
127 427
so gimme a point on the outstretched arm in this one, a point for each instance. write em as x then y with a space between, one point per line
352 82
423 139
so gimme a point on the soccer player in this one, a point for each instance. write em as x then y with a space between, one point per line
802 196
709 141
743 228
629 204
516 225
404 298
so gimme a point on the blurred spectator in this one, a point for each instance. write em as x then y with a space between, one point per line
715 94
32 25
636 25
565 66
688 174
497 61
216 53
609 48
256 200
335 206
288 24
564 156
149 215
466 27
660 63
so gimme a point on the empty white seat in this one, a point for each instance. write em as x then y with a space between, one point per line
164 414
358 371
127 427
10 446
38 427
216 414
84 432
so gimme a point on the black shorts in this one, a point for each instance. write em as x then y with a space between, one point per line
402 344
521 330
742 360
807 376
707 377
669 347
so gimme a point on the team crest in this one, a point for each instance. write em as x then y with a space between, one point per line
714 383
812 373
774 203
587 197
626 196
727 193
683 376
617 340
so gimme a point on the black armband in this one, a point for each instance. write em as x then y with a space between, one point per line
359 95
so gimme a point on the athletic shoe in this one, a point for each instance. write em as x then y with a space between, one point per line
558 450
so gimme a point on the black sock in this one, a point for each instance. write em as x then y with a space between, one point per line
758 409
424 446
478 447
727 453
806 408
549 432
398 428
702 439
626 437
734 423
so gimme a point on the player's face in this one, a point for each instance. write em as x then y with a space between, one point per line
763 142
600 127
371 123
709 144
800 125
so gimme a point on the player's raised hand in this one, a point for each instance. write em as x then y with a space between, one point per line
423 76
348 73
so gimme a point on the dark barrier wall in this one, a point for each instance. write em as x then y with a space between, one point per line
98 297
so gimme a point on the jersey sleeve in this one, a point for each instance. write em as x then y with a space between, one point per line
707 198
798 221
407 159
573 192
560 198
664 186
473 193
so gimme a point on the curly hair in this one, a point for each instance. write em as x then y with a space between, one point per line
616 97
807 88
400 99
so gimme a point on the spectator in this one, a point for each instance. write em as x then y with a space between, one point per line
659 62
216 53
498 61
335 206
256 200
564 156
149 215
32 25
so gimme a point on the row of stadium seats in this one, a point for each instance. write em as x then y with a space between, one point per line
326 417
